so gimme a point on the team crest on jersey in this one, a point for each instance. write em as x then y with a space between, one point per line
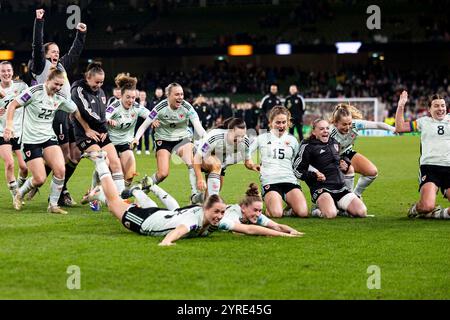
61 137
28 153
181 116
336 146
104 99
287 143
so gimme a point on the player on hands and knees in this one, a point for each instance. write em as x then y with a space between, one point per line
346 123
38 138
247 218
121 117
220 148
277 149
145 218
434 158
170 119
9 89
326 181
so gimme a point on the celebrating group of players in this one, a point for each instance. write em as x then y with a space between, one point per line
52 125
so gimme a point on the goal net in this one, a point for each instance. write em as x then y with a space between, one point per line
371 108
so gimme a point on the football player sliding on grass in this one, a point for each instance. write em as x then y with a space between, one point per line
247 218
145 218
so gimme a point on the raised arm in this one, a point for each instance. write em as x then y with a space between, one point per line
400 124
37 62
174 235
364 124
71 57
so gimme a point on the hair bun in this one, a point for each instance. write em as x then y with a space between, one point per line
253 190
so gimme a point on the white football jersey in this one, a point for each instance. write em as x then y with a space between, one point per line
162 222
277 155
435 140
16 88
347 140
39 112
233 215
215 143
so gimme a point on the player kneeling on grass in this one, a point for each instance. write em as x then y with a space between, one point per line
144 217
247 218
326 182
434 158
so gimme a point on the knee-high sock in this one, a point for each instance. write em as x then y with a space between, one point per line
119 181
95 179
27 186
70 169
349 180
143 200
165 198
192 180
55 190
12 186
213 183
155 179
438 214
21 180
363 183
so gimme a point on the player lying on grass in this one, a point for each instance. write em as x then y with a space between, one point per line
346 123
277 149
326 182
144 217
247 218
434 158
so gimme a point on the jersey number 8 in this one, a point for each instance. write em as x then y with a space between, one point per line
440 130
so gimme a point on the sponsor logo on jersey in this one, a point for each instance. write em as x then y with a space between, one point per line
153 114
25 97
110 109
193 227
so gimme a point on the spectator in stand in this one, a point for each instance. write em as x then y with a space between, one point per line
143 102
204 111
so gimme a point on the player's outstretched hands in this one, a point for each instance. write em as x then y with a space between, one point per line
403 99
40 13
81 27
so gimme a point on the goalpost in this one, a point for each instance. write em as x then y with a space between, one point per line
371 108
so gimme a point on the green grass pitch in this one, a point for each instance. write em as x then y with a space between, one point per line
329 262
